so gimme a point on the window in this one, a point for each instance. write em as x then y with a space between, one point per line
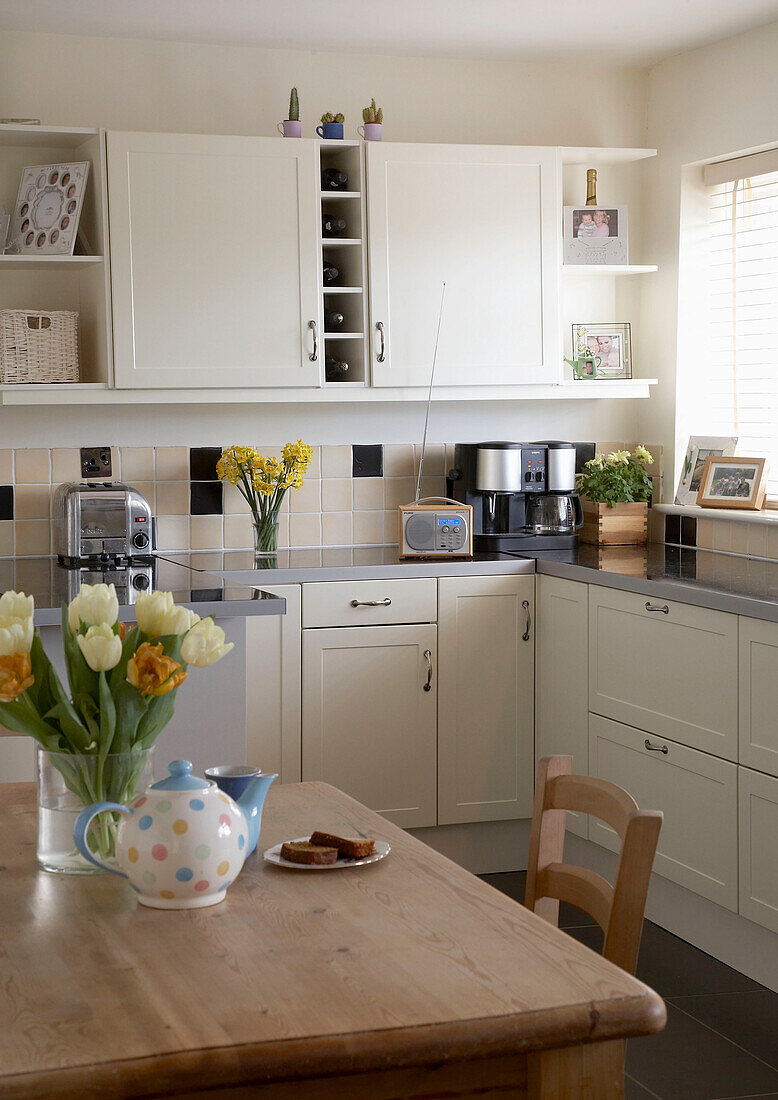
742 366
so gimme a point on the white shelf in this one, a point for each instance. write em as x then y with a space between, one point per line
66 137
43 263
340 242
594 158
342 290
608 269
341 194
344 335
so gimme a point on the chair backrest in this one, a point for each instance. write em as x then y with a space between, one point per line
617 908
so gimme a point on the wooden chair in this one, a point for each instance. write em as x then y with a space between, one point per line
618 909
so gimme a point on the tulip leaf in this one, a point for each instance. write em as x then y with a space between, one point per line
71 725
159 713
14 716
131 707
171 645
82 679
129 645
107 715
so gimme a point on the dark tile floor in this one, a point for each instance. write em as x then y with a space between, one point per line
721 1039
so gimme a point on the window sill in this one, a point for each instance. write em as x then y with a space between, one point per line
767 516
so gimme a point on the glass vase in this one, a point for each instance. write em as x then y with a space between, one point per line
266 544
67 782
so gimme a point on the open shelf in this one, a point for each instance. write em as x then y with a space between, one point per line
608 269
587 157
340 242
62 137
342 290
344 335
48 263
341 194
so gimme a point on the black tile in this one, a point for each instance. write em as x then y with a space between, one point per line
748 1019
6 502
205 498
367 460
673 529
584 452
687 1060
209 595
514 884
688 531
676 969
202 463
634 1091
590 934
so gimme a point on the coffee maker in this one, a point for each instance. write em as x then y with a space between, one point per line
522 494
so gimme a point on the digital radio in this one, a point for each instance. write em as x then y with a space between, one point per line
440 530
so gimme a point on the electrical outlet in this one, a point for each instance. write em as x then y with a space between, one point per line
96 462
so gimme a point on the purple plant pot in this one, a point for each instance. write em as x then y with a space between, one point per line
290 128
371 131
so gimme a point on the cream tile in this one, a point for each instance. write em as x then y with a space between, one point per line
757 540
722 535
206 532
705 534
65 465
336 461
772 541
398 460
234 501
238 532
739 538
433 486
6 467
398 490
33 467
314 470
434 459
368 493
391 527
336 494
337 556
147 489
33 576
137 464
173 532
369 527
283 529
336 529
32 537
173 498
6 537
307 498
32 502
305 529
172 463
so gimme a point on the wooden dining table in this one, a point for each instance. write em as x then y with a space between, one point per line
406 978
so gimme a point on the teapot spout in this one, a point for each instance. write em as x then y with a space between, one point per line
251 802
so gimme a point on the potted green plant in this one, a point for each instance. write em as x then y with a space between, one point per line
292 127
615 490
331 126
372 118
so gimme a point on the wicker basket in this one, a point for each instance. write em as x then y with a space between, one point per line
38 346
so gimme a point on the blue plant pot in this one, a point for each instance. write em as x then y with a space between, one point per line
330 131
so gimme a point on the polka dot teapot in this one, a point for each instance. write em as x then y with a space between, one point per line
183 841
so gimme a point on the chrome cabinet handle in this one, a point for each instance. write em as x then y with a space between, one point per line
527 620
656 748
314 355
386 602
381 356
662 608
428 659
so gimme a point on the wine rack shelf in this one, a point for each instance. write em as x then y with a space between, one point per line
340 242
338 195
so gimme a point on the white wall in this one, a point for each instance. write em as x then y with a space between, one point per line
163 86
701 105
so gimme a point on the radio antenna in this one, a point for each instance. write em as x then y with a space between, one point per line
429 397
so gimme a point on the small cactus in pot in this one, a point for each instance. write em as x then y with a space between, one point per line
291 127
372 117
331 125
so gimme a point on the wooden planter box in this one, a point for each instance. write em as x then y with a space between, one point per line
614 525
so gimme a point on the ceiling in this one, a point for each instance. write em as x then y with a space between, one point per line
595 32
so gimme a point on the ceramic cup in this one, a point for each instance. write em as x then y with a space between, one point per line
371 131
290 128
232 778
330 130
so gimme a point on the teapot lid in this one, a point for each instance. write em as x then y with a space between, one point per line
180 778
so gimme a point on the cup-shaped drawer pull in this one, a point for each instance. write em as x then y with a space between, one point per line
662 608
385 602
656 748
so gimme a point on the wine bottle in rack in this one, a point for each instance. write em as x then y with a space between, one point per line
335 370
591 187
332 226
330 273
332 320
332 179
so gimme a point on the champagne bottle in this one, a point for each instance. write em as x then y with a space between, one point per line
332 179
331 226
335 370
329 273
332 319
591 187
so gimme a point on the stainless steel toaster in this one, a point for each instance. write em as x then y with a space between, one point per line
101 521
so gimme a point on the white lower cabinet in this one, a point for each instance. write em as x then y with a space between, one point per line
759 694
486 698
369 725
758 836
17 758
697 794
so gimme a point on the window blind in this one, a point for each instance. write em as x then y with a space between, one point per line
742 370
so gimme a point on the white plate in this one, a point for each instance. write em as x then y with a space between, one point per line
273 855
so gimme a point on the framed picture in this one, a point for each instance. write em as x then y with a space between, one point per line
609 345
48 209
730 482
698 449
595 235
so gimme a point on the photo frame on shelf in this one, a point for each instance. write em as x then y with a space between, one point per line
595 235
48 208
733 482
609 344
698 449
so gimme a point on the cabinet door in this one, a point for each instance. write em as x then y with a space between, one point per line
668 668
214 260
759 694
273 687
561 676
484 220
758 863
697 795
368 723
486 698
17 758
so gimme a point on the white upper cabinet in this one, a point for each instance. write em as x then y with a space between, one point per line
486 221
215 260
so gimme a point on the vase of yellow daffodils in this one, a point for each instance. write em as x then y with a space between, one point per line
95 741
263 482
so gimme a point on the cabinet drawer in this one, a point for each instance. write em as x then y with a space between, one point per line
377 602
759 694
696 793
758 863
671 671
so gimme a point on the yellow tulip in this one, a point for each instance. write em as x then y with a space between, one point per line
102 648
95 605
204 645
157 615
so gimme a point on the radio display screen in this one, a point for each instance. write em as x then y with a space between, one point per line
449 521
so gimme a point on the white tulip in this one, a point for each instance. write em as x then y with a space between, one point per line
157 615
102 648
15 636
204 644
95 605
15 605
